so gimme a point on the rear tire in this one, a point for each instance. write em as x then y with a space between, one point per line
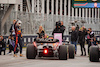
71 49
31 51
63 52
94 54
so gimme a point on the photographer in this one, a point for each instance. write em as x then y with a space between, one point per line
90 35
2 45
91 32
57 29
60 28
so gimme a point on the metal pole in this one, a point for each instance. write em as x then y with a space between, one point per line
86 15
65 7
38 6
60 7
52 11
21 5
80 12
83 12
76 12
69 7
72 12
42 7
92 14
47 7
56 7
32 6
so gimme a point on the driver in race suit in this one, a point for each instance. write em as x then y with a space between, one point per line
18 35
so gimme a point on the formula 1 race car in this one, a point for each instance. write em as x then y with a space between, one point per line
94 53
49 48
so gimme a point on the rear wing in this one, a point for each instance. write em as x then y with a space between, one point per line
42 40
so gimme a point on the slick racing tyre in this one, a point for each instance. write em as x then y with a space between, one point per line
94 54
63 52
71 49
31 51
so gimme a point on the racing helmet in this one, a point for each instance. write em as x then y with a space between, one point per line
19 22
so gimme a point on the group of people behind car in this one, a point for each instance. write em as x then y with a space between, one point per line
81 36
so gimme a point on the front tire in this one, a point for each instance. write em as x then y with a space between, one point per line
31 51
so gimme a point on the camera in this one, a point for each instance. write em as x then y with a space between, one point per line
58 24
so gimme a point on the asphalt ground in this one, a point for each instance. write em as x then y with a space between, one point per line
79 61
